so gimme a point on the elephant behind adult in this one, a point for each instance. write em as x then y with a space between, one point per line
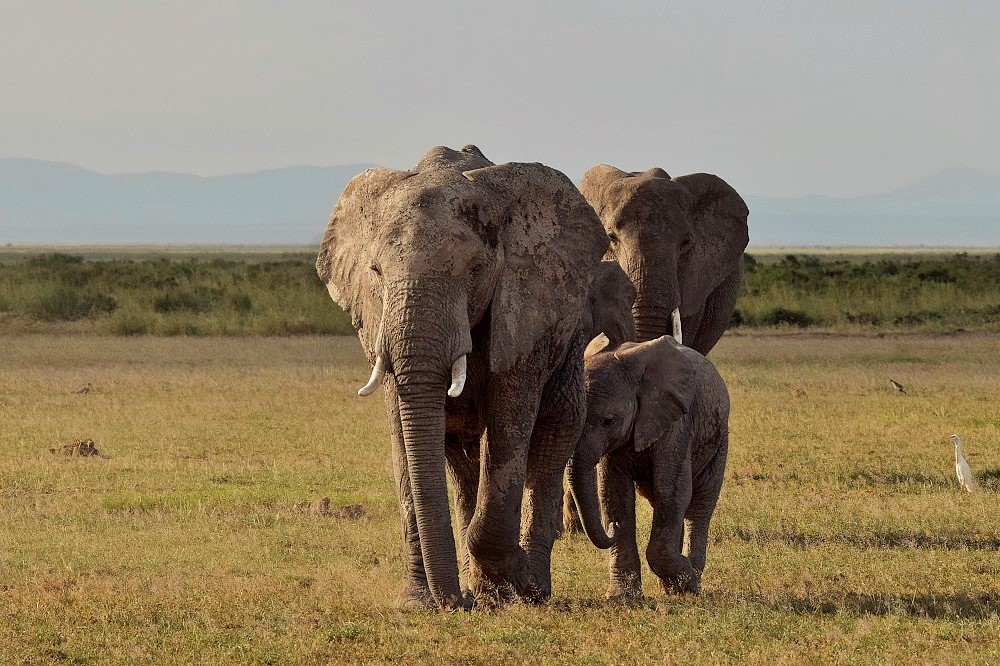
680 240
466 282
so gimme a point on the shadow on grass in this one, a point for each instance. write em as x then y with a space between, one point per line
874 539
931 606
989 478
880 479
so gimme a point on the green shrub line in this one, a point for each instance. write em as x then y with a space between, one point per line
936 293
168 296
281 295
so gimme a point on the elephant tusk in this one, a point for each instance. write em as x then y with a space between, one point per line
675 317
457 377
378 372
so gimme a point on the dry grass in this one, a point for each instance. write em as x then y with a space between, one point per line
841 535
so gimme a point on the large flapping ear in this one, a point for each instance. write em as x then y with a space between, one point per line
666 390
552 242
344 261
718 220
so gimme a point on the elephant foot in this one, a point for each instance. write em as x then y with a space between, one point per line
684 582
503 581
416 597
626 587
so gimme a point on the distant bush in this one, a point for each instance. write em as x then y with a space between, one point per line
927 292
199 299
60 302
281 294
782 316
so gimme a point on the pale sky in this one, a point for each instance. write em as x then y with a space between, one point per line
779 98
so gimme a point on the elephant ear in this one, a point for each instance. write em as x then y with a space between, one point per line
596 188
597 345
552 243
718 219
666 390
344 261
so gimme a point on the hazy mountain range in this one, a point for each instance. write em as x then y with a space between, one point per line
49 202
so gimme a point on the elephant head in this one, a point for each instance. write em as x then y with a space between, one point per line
635 394
676 238
610 300
421 258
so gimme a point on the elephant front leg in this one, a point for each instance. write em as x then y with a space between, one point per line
671 497
618 503
550 449
560 424
499 567
416 593
463 467
707 486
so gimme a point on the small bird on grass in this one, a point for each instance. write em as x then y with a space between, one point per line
896 385
86 389
962 469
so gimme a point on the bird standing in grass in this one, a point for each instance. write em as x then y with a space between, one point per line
962 469
896 385
86 389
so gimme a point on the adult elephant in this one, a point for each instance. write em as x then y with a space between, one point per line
680 240
466 282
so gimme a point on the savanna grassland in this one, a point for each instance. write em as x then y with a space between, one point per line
841 535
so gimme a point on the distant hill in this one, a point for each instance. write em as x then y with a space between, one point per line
958 207
49 202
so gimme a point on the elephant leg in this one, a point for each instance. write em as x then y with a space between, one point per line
463 468
416 592
499 568
570 516
672 491
560 424
717 312
618 501
704 498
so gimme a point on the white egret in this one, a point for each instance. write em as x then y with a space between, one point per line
962 469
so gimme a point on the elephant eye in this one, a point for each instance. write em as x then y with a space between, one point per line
607 421
613 237
375 269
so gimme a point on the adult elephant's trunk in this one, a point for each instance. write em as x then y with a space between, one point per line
421 414
583 485
658 295
427 357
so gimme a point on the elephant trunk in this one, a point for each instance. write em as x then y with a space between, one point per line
428 358
422 416
658 294
652 320
583 485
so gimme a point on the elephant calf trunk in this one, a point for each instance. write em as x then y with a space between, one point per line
583 485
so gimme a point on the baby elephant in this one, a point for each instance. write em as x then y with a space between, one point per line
658 422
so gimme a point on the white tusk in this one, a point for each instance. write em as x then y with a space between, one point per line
378 372
675 317
457 377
